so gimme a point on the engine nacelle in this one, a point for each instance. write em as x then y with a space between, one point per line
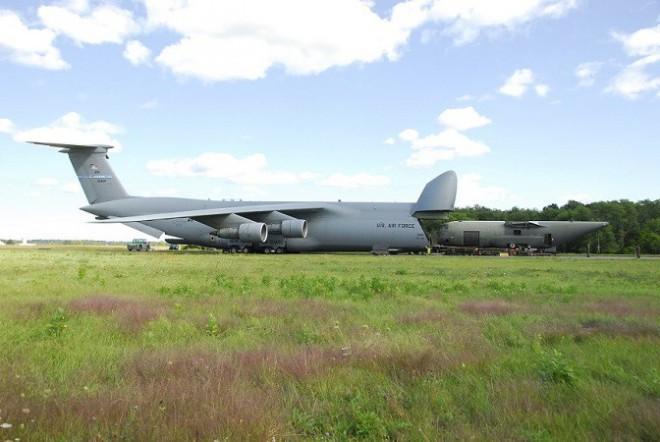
294 228
290 228
248 232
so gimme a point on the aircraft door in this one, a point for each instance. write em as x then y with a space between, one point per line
471 238
548 240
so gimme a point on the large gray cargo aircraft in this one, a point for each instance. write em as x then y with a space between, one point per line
511 234
260 226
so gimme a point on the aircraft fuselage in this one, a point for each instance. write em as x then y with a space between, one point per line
339 226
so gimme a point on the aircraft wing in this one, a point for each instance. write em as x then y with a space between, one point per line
523 224
202 214
146 229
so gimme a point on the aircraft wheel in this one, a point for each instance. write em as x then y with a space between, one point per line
233 250
279 250
245 250
267 250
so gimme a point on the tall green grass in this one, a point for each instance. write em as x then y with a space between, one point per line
100 344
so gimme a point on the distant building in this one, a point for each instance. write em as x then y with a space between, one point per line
25 243
2 244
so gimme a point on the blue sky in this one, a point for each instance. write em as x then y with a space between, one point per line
530 101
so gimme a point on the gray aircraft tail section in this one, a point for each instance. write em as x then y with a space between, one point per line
90 162
437 198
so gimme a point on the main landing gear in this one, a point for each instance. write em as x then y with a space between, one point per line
268 250
236 249
246 249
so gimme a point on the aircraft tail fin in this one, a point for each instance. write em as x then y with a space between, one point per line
90 162
437 198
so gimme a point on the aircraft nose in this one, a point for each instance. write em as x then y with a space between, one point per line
596 225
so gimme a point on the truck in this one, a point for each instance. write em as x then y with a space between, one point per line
138 245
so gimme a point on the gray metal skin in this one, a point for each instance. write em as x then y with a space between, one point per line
502 234
332 226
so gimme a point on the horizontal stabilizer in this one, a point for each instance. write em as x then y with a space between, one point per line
73 146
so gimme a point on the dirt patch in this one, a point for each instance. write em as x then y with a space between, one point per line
131 314
639 420
623 308
422 317
618 328
495 307
596 327
314 309
33 310
250 365
206 395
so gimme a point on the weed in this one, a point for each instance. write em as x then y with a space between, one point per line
82 271
56 326
555 368
212 327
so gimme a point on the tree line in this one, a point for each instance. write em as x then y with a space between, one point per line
631 224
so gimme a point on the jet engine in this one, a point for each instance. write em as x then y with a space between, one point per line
248 232
290 228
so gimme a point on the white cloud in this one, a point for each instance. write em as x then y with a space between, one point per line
136 52
448 143
32 47
227 40
645 41
73 129
243 39
149 104
71 187
6 126
47 182
586 73
463 118
542 90
409 135
518 83
468 18
389 140
103 24
466 97
445 145
357 180
78 6
636 78
471 191
51 183
248 170
253 170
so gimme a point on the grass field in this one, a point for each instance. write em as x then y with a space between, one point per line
100 344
